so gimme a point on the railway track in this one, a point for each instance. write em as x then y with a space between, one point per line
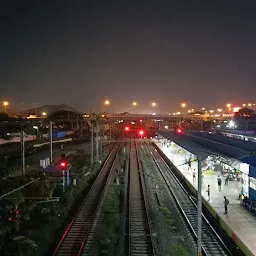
212 244
139 230
79 232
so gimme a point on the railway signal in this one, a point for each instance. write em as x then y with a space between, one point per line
178 131
141 133
127 128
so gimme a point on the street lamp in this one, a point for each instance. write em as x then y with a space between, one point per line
153 104
183 105
5 104
219 110
107 102
229 108
134 103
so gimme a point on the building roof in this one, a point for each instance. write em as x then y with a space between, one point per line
48 109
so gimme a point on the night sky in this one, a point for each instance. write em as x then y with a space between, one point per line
81 52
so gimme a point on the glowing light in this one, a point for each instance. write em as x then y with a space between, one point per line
154 114
178 130
141 132
107 102
236 109
228 105
134 104
153 104
44 114
127 128
63 164
183 105
219 109
5 103
249 104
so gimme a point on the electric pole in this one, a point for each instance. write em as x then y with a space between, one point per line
92 149
51 155
22 140
97 139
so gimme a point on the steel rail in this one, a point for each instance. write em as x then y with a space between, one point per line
212 244
140 242
73 238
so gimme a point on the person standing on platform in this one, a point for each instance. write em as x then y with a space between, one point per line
194 176
208 192
226 202
219 182
226 180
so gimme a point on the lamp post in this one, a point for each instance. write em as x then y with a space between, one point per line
153 104
199 207
5 104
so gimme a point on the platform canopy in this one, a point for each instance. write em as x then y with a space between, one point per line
203 147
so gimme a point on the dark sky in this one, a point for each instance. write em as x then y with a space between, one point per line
79 52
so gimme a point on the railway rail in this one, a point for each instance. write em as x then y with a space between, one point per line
79 232
212 244
139 226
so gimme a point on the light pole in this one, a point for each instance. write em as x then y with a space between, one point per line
199 207
51 138
5 104
229 108
92 149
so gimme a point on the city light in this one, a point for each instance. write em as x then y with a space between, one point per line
107 102
134 103
5 104
183 105
153 104
236 109
44 114
127 128
219 109
228 105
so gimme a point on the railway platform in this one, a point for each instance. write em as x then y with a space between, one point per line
239 223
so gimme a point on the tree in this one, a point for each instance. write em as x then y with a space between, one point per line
245 113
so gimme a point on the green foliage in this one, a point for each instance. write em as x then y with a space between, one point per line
20 246
107 232
178 249
169 218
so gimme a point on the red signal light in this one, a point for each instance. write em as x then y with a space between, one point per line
127 128
141 132
178 130
63 164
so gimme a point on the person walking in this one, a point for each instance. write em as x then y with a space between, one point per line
226 203
189 164
208 192
219 182
194 176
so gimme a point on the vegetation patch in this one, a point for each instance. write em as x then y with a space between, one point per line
178 249
28 227
108 230
169 218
